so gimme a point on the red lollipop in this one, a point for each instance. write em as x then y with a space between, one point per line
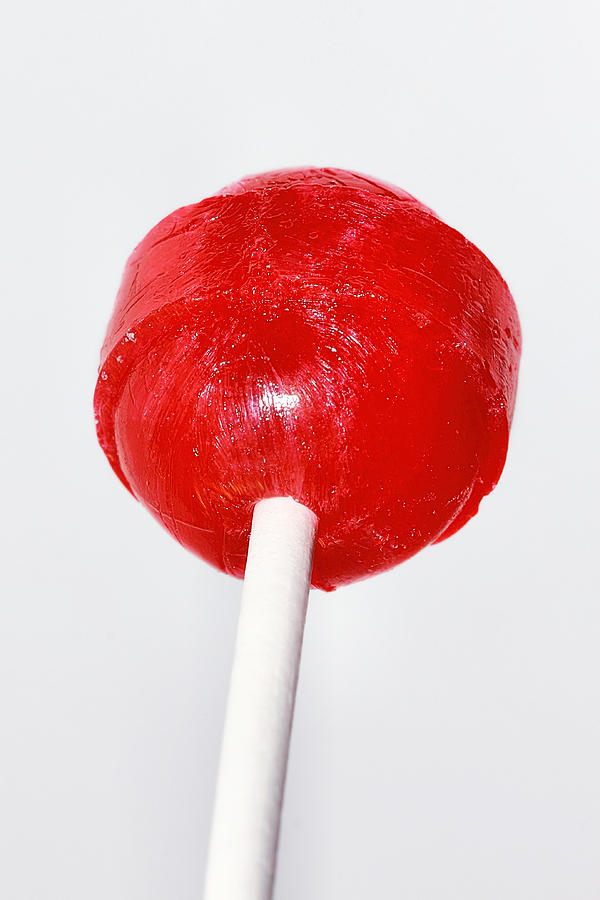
313 334
313 361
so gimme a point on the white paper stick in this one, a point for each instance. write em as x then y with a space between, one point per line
245 830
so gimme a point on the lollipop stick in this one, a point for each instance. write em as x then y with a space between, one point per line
260 707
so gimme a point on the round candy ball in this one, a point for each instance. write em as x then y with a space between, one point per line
317 334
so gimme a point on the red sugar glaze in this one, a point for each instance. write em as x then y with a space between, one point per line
317 334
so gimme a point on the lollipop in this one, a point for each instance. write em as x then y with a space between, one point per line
313 362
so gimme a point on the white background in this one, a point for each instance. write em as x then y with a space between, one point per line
447 738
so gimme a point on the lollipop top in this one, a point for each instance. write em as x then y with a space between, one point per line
311 178
317 334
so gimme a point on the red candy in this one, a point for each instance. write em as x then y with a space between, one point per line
314 334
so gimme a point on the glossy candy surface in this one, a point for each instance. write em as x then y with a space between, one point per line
317 334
